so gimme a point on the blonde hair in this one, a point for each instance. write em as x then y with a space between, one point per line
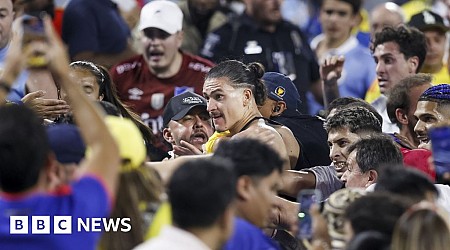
138 197
421 228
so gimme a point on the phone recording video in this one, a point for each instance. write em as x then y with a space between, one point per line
306 198
34 30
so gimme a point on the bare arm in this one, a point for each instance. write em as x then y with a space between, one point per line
166 168
330 72
294 181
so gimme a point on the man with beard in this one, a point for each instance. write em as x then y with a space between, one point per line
147 82
261 35
433 107
187 124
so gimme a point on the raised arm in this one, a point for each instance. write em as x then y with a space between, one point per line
103 160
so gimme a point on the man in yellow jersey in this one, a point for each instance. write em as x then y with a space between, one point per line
434 28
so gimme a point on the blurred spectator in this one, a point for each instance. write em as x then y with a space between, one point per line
258 168
95 31
383 15
140 193
261 35
375 212
422 227
333 212
433 27
202 219
338 18
200 17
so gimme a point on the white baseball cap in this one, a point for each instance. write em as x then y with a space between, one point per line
161 14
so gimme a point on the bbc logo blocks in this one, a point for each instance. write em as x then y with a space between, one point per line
40 225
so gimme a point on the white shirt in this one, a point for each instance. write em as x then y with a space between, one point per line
444 196
380 105
173 238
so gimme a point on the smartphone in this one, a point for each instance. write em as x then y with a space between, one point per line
34 30
306 198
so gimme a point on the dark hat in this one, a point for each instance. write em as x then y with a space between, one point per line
66 142
281 88
180 105
427 20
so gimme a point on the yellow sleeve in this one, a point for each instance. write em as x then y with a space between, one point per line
209 145
162 217
373 92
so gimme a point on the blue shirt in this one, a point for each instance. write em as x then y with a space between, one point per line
86 198
18 88
357 75
94 26
246 236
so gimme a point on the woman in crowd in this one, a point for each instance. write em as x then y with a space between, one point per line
422 227
97 84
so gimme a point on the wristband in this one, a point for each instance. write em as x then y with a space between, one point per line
5 86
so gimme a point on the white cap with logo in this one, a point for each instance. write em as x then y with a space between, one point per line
161 14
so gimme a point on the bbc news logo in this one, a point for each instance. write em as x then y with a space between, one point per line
63 225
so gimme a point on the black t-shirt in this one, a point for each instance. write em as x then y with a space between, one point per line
312 136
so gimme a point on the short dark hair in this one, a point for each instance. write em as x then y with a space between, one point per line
411 42
242 76
356 4
399 94
341 102
250 157
370 240
406 182
200 191
375 152
377 211
356 119
24 148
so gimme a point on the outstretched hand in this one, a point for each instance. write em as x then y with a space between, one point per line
185 148
45 108
331 68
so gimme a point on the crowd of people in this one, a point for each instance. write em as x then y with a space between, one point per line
196 124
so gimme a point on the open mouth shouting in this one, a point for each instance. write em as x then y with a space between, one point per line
199 137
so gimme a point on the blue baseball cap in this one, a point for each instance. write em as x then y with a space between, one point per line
66 142
281 88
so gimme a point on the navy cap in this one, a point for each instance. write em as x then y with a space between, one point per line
427 20
180 105
281 88
66 142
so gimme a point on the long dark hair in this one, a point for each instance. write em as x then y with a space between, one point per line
242 76
107 88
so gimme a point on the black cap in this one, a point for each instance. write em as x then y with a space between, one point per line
180 105
427 20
